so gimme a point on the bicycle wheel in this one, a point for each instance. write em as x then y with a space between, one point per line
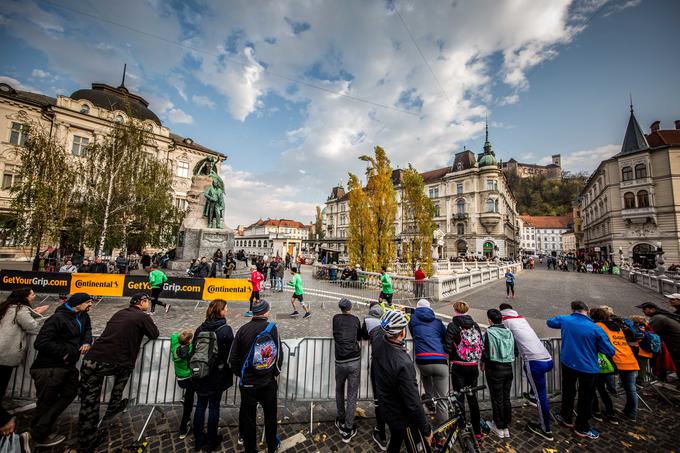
467 444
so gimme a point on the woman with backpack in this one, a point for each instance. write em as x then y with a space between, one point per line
210 372
465 346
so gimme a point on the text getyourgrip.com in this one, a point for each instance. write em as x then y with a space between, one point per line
37 281
172 287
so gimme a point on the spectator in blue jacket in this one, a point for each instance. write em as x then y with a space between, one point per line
429 334
582 340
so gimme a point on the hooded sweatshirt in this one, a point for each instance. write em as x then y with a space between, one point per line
499 345
372 321
453 336
59 341
529 345
429 335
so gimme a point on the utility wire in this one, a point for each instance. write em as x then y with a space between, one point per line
235 61
434 76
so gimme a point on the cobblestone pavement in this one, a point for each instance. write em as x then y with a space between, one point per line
655 431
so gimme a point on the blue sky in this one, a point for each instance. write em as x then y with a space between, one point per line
294 92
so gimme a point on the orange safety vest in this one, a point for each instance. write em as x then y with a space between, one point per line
624 359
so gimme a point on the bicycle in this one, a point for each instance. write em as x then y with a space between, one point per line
456 428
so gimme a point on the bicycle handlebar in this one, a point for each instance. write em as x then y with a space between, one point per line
455 393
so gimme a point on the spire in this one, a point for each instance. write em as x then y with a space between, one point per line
122 82
487 143
634 140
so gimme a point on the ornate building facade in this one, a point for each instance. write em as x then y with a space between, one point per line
78 120
475 210
272 237
630 205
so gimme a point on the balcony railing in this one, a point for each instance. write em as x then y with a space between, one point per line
460 216
639 215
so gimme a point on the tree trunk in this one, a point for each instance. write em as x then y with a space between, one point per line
102 237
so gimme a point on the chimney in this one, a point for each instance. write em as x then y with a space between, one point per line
677 124
655 126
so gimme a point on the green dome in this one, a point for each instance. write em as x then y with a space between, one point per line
487 160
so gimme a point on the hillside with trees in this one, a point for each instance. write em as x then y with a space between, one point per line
539 195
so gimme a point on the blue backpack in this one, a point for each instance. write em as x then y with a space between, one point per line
263 353
651 342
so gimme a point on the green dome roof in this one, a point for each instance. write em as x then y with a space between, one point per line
487 160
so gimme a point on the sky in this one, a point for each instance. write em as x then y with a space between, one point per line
293 92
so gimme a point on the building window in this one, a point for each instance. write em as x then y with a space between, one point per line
183 169
436 210
491 184
343 219
181 204
490 205
459 188
640 171
460 229
627 173
84 109
642 199
629 200
119 119
434 192
10 176
460 207
17 135
264 243
79 145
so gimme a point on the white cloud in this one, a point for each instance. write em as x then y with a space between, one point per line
586 159
179 116
17 85
167 110
203 101
177 81
39 73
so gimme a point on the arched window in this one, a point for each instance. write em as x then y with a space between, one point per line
627 173
642 199
629 200
490 205
264 243
259 243
460 229
640 171
436 211
460 207
250 244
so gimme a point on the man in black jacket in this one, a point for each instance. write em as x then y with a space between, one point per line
347 335
113 354
396 386
256 387
64 336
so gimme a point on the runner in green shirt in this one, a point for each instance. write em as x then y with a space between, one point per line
296 283
387 291
156 280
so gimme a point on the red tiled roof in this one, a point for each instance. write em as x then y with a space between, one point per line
548 221
433 175
279 223
664 138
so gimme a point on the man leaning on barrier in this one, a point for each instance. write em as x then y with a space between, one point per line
113 354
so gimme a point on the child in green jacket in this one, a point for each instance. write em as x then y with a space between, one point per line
180 350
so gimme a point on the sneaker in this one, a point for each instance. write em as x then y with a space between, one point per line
497 431
562 421
597 417
379 440
184 432
307 315
347 435
536 429
25 441
592 433
167 308
340 425
295 314
611 419
112 411
248 314
478 439
506 433
51 440
531 399
239 441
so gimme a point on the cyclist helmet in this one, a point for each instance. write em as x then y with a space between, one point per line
393 322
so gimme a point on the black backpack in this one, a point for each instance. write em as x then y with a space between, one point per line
204 354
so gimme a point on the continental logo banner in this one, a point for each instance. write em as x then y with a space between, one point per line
98 284
41 282
174 288
227 289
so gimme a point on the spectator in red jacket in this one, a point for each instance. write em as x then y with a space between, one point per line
256 278
419 284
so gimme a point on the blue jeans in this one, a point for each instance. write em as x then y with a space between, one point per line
279 283
628 383
536 371
212 403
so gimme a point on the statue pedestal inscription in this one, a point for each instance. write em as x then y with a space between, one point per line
206 210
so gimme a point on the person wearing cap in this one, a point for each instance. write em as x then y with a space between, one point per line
347 336
256 387
62 339
674 300
429 334
396 386
113 354
667 326
582 340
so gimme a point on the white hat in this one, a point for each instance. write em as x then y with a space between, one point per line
673 296
423 303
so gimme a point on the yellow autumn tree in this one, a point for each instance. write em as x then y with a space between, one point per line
361 237
417 220
382 205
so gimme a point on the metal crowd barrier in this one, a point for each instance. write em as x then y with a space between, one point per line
307 375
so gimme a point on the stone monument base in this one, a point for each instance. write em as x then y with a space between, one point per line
199 242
